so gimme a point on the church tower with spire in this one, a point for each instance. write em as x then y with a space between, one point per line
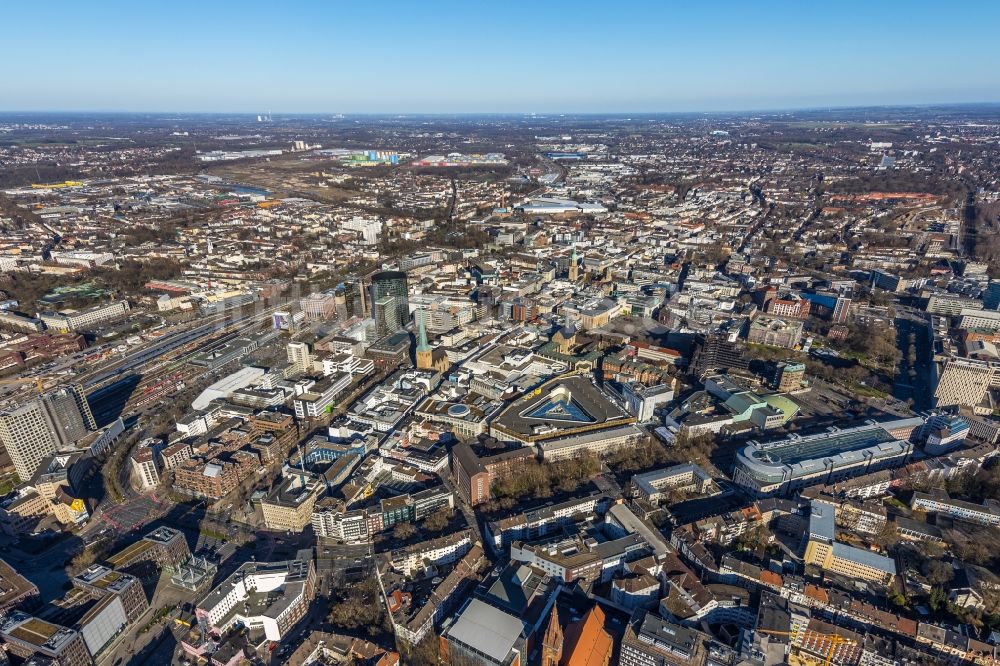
574 266
552 642
425 355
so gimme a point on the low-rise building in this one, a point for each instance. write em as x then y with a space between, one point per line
824 551
271 596
987 513
27 637
653 487
101 581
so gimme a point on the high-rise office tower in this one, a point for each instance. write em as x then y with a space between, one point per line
356 297
69 412
340 299
25 433
718 350
991 295
386 312
41 426
391 284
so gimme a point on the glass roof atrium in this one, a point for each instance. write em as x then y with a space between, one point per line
808 448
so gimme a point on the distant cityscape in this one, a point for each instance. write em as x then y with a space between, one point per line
527 390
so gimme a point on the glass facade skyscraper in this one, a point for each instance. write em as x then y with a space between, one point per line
389 288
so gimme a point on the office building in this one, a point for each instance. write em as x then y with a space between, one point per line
390 285
788 376
841 310
386 315
539 522
987 513
655 487
163 548
652 641
718 350
319 306
331 520
289 507
944 432
986 320
888 281
69 413
101 581
991 295
268 596
17 591
320 396
775 332
299 357
76 320
27 637
474 471
145 463
356 300
642 401
40 426
577 557
965 382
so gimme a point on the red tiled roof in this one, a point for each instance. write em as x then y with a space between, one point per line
587 643
770 578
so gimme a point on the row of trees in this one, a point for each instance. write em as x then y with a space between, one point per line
646 455
543 479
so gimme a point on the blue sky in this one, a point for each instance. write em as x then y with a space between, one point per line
543 56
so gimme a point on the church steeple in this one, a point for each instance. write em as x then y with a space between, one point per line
574 267
424 353
552 642
422 344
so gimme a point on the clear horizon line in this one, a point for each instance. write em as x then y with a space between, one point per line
772 109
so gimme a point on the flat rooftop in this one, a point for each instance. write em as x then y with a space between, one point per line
801 456
486 629
129 553
13 585
559 407
39 633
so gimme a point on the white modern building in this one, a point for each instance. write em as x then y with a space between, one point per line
271 596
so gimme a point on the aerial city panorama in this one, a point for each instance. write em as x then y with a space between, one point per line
500 334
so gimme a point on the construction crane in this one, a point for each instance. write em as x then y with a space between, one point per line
836 640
